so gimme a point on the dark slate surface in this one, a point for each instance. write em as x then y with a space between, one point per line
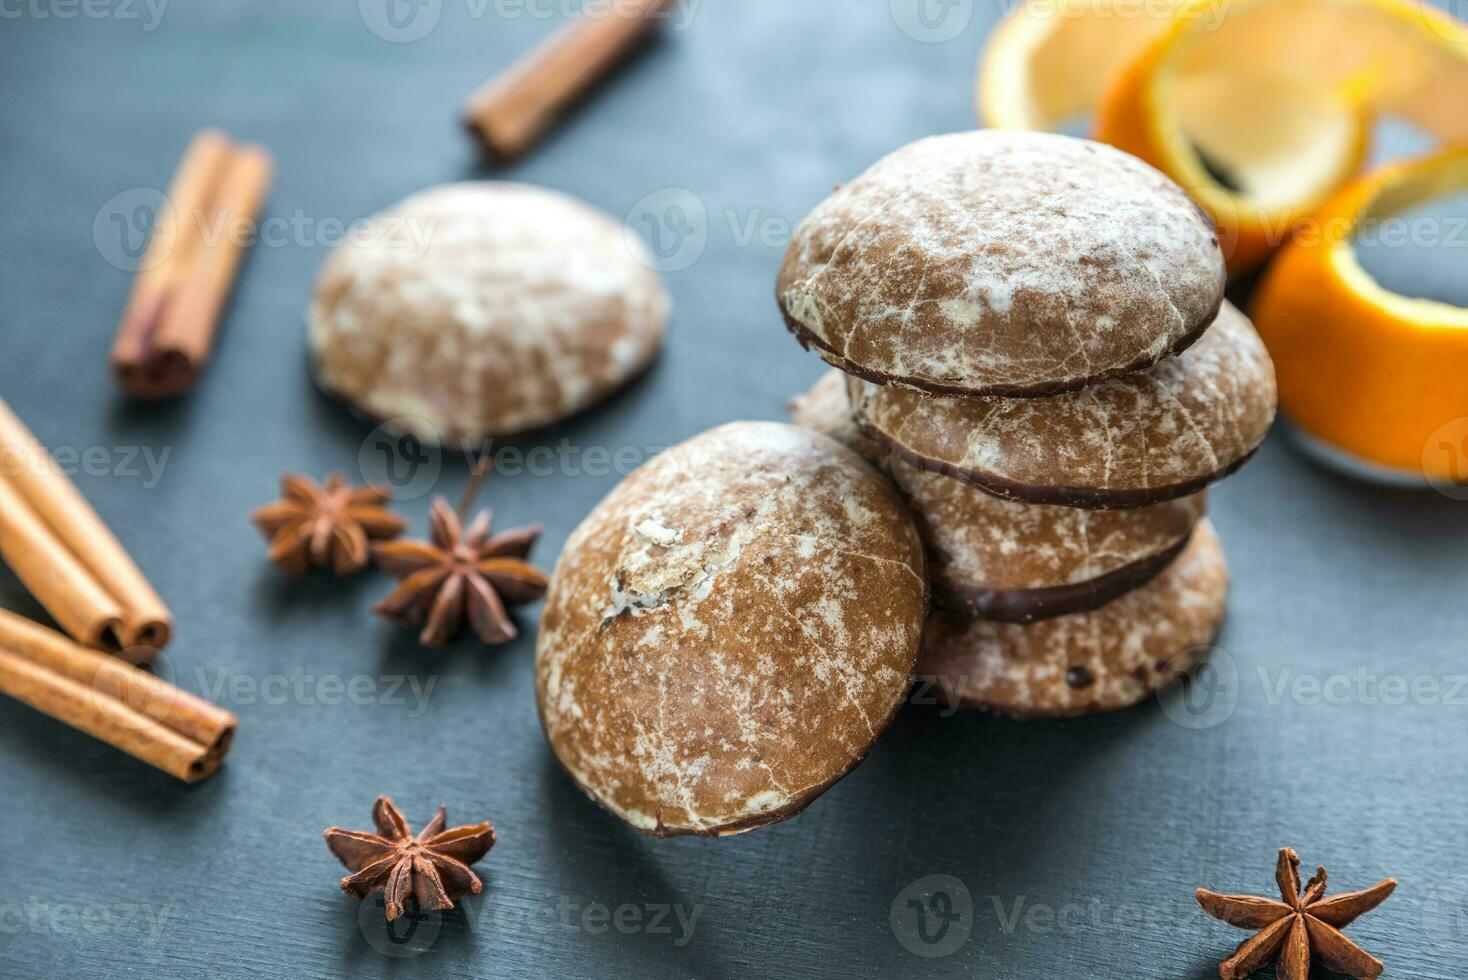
1078 845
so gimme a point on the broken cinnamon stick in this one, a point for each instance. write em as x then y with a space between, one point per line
168 328
66 555
147 718
512 111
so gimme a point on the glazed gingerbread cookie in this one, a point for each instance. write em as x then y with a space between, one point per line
1103 660
1002 263
484 309
1139 439
730 630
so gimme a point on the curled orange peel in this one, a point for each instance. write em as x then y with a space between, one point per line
1049 62
1260 108
1378 378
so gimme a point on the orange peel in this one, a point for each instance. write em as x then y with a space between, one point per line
1263 111
1049 62
1378 378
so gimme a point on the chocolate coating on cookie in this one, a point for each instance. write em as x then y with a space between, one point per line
1103 660
1017 562
1140 439
730 630
1002 263
484 308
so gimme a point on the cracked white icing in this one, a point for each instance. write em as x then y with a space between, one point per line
1125 650
727 633
978 542
1187 419
484 308
1000 260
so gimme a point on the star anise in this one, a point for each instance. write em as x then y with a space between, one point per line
1302 925
323 526
461 571
433 867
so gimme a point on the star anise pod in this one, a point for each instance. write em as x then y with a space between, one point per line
326 526
461 571
433 867
1292 930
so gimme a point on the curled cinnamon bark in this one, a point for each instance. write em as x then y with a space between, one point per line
512 111
63 552
168 327
127 708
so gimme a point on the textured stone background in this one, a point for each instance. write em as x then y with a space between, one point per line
1078 844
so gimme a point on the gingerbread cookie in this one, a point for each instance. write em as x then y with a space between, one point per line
484 309
730 630
1102 660
1140 439
1002 263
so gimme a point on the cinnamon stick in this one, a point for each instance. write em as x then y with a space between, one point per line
40 506
186 713
168 328
54 576
177 234
128 709
512 111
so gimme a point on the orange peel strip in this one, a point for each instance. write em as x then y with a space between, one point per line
1049 62
1280 95
1379 377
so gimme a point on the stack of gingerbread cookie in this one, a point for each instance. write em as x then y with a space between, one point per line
1036 346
